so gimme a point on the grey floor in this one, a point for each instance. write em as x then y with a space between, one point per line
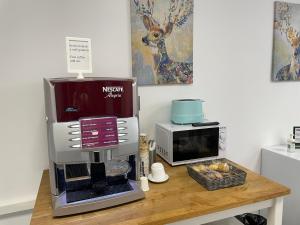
230 221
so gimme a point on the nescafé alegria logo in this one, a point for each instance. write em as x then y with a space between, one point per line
113 91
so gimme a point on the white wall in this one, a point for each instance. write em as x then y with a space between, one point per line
232 58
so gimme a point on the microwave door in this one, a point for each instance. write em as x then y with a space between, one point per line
195 144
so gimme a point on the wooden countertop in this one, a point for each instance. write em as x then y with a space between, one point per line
179 198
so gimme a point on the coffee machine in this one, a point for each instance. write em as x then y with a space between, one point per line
93 132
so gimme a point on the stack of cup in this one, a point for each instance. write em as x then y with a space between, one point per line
158 174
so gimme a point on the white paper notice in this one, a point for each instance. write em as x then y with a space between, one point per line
79 56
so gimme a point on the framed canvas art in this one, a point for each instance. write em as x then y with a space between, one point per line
286 40
162 41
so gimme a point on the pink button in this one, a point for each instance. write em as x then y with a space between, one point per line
94 133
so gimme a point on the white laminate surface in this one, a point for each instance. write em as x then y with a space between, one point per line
282 150
283 167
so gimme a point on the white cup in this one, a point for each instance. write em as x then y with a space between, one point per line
158 171
144 184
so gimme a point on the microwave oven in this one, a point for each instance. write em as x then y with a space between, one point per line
183 144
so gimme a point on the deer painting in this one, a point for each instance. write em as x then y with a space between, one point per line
166 69
286 29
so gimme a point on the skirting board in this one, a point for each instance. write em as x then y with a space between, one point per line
16 207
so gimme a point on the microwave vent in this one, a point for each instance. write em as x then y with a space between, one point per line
162 151
162 138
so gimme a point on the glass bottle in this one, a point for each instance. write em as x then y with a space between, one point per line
291 144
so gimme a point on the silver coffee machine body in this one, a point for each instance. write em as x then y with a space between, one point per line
93 132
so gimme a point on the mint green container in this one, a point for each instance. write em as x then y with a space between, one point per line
186 111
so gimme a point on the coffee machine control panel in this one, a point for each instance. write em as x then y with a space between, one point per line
98 132
91 134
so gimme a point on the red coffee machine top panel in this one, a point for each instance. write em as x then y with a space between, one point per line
92 97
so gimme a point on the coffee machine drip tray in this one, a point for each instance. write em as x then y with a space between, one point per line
73 202
75 196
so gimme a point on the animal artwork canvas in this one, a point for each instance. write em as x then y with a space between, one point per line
286 42
162 41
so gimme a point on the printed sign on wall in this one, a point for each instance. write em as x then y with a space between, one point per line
79 56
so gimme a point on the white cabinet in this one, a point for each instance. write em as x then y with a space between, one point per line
283 167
